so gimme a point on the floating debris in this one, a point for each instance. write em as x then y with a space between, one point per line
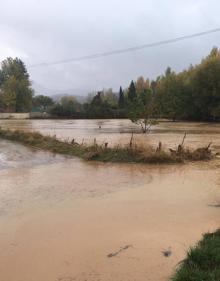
217 205
111 255
167 253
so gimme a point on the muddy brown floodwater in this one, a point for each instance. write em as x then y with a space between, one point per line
64 219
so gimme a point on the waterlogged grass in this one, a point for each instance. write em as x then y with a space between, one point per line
202 262
129 153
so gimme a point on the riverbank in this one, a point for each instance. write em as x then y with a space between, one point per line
202 262
126 154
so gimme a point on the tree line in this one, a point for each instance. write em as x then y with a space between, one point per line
192 94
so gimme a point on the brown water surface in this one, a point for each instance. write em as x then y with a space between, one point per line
119 131
63 219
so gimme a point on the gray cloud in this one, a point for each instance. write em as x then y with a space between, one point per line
50 30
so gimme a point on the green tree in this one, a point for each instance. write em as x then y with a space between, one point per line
132 92
67 107
168 71
206 87
169 91
110 98
9 88
97 100
15 85
121 98
140 111
43 102
141 85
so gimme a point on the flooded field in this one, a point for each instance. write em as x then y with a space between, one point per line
63 219
119 131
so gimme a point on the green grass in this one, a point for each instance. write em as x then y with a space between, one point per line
202 262
96 152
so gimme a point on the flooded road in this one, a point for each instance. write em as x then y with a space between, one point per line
64 219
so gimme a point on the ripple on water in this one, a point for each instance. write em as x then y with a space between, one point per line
14 155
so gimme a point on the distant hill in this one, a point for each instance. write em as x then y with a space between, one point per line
80 99
79 94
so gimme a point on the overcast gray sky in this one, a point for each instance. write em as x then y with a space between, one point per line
49 30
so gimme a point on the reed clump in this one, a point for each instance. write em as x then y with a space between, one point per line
104 153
